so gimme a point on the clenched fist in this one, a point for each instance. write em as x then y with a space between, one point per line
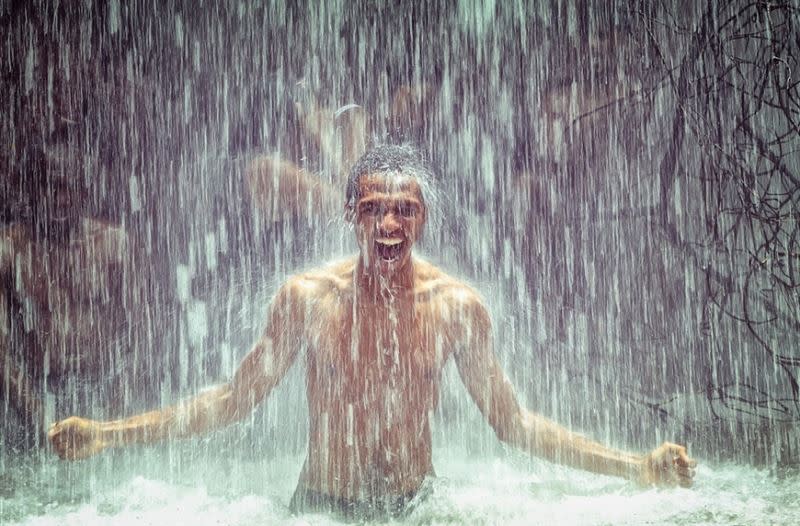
76 438
667 466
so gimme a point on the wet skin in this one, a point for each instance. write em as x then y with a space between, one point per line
377 330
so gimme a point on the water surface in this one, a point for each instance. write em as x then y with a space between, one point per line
173 485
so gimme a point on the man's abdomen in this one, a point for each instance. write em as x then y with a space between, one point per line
356 457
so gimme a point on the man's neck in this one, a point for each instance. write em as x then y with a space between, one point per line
379 288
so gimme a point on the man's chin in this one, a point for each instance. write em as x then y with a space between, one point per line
389 265
384 266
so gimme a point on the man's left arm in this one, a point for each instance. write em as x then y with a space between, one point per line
668 465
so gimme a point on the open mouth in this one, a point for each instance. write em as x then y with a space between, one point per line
389 248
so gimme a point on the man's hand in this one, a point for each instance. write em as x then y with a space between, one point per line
667 466
76 438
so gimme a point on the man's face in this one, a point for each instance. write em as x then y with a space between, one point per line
63 194
63 201
389 218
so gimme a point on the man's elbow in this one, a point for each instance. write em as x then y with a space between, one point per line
522 432
505 435
511 430
240 405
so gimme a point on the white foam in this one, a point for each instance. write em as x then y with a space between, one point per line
469 490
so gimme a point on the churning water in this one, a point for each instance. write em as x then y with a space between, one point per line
160 487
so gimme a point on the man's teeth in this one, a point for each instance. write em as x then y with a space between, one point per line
389 241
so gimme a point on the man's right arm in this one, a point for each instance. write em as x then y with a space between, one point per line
259 373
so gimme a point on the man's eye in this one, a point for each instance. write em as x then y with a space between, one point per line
369 208
407 210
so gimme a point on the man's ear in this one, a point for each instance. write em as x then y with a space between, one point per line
422 223
349 214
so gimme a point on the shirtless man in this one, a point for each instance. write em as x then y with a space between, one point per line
375 331
61 289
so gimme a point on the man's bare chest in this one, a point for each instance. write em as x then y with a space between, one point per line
59 278
367 356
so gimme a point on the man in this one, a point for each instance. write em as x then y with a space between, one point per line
62 289
319 139
377 330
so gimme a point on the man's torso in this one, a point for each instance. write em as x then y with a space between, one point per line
69 293
373 380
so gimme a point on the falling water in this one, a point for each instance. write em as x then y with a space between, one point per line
620 180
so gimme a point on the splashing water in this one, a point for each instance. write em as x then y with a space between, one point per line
136 489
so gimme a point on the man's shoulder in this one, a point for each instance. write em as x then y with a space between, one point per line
335 276
104 232
14 231
434 283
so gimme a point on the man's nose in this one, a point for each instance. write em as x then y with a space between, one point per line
388 222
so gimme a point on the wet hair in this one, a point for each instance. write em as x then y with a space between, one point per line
403 159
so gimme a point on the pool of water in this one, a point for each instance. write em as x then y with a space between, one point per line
186 483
